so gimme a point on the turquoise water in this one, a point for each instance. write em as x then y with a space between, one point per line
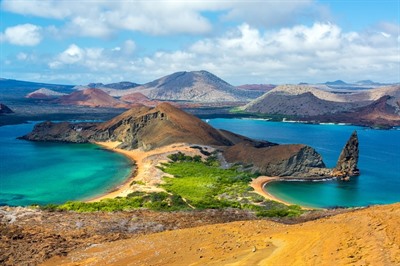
42 173
379 162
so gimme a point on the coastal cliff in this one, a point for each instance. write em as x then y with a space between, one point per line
147 128
286 161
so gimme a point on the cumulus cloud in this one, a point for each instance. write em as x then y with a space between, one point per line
94 59
163 17
246 54
22 35
316 53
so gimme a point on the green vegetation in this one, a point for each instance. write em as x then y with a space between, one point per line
271 117
196 184
154 201
205 185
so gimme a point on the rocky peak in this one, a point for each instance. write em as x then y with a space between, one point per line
346 166
4 109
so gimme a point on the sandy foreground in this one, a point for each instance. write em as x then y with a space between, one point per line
368 236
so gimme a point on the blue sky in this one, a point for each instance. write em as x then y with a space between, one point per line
77 42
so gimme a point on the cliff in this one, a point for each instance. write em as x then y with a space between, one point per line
286 161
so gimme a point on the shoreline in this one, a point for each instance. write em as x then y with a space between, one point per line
260 182
123 189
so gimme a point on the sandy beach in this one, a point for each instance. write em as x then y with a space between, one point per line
259 183
146 174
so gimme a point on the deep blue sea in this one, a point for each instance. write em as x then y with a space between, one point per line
42 173
379 162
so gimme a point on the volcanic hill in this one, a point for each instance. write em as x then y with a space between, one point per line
196 86
148 128
44 93
372 107
91 98
114 89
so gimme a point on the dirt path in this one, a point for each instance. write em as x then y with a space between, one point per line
365 237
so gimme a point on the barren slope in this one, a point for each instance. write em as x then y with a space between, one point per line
196 86
365 237
92 98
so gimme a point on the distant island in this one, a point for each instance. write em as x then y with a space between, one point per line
364 103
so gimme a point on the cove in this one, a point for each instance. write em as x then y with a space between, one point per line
44 173
379 162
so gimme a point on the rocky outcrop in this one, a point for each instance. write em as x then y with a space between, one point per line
287 161
4 109
346 166
62 132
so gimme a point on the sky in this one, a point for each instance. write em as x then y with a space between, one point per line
242 42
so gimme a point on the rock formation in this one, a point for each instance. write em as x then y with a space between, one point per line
4 109
346 166
287 161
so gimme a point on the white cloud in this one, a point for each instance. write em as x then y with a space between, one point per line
163 17
272 13
93 59
22 35
316 53
22 56
313 54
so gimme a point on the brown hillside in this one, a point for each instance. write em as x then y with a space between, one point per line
148 128
91 98
378 113
364 237
138 98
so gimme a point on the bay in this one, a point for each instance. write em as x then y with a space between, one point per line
379 162
43 173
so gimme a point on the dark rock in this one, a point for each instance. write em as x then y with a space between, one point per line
286 161
4 109
347 163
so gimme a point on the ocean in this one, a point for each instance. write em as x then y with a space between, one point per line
379 162
43 173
